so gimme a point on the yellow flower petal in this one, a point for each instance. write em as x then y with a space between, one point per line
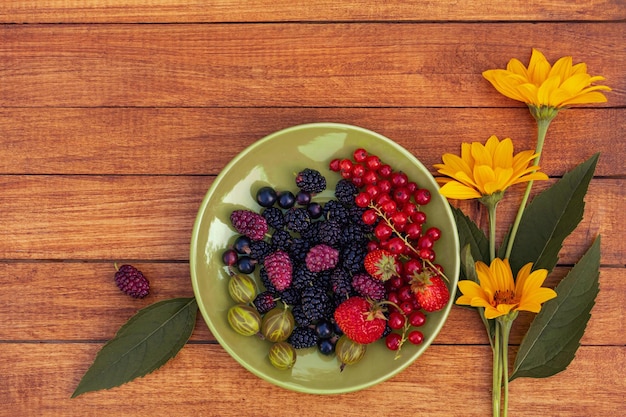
457 191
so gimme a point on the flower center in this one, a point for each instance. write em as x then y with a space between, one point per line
504 297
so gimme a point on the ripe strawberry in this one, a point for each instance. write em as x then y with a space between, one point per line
430 291
381 264
360 320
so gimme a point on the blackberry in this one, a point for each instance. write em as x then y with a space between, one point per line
352 258
302 277
311 234
311 181
315 303
341 282
334 210
345 191
249 223
264 302
132 281
303 337
298 249
297 219
329 232
259 249
352 234
265 280
300 319
290 296
274 217
281 239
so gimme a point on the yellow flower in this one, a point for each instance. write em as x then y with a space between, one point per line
483 170
500 295
544 85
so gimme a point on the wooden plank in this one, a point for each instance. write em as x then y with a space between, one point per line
150 217
38 379
87 306
139 140
320 65
172 11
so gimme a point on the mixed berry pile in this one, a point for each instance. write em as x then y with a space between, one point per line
339 274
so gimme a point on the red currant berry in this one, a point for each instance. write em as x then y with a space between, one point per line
422 196
369 216
405 293
413 266
411 186
345 165
382 198
399 179
335 165
396 320
358 181
360 155
373 190
346 173
427 254
399 218
370 177
396 245
384 185
392 296
389 207
385 170
413 230
382 232
393 341
372 245
394 283
416 337
434 233
358 170
407 307
362 199
373 162
425 242
401 195
417 318
419 217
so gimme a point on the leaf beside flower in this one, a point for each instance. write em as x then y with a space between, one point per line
551 342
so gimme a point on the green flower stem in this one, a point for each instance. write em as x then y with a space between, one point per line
492 230
542 129
496 388
503 329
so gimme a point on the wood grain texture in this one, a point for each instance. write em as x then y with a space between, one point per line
139 140
277 65
74 314
210 383
174 11
151 217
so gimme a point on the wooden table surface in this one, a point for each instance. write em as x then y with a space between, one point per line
116 116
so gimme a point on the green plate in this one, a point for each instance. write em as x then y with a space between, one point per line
274 160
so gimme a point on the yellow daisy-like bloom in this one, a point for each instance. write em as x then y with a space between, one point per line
500 295
483 170
544 85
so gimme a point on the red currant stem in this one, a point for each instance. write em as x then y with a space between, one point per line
382 215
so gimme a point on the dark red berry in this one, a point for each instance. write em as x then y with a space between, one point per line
360 155
396 320
405 293
132 281
396 245
434 233
370 177
413 230
401 195
385 170
417 318
384 185
422 196
373 190
419 217
399 179
425 242
358 170
335 165
229 257
416 337
393 341
363 199
345 165
382 231
373 162
369 216
407 307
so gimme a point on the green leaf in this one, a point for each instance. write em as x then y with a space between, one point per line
550 218
555 333
468 265
470 234
147 341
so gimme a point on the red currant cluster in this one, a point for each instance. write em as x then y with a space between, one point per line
394 208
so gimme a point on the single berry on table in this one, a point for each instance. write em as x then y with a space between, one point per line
132 281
